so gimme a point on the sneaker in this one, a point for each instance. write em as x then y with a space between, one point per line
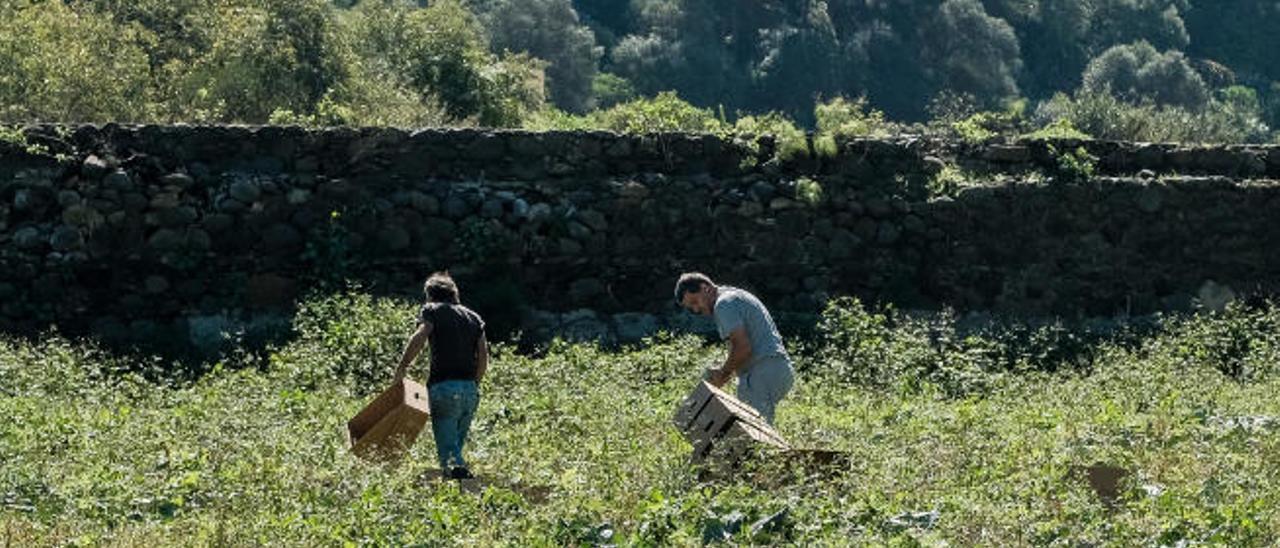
460 473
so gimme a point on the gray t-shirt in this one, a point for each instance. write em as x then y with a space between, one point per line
737 308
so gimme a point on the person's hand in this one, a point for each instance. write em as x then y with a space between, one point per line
719 377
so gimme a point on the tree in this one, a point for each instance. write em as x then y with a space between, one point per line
69 64
971 52
1137 71
549 30
441 53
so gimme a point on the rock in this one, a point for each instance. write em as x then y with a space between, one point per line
782 204
218 222
887 233
82 215
763 191
166 239
28 238
632 327
1150 199
298 196
198 240
180 180
165 200
245 191
281 237
578 231
1214 296
933 165
423 202
491 209
595 220
583 326
750 210
913 224
1007 154
177 216
68 198
487 147
118 181
208 333
93 167
540 212
569 247
879 208
584 290
1147 175
66 238
134 202
633 190
520 208
155 284
232 205
455 207
270 290
393 238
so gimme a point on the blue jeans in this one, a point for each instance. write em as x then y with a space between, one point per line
453 405
765 383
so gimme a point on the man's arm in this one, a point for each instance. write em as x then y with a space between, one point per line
413 348
739 354
482 357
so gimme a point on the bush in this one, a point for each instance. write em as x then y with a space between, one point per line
1103 116
850 118
664 113
1073 166
790 140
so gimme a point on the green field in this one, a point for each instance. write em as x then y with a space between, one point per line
953 438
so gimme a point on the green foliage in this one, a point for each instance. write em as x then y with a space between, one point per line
548 30
1103 116
982 126
790 141
1060 128
1074 165
482 242
809 191
1241 342
348 338
65 63
575 445
665 112
440 52
850 118
611 89
1137 72
949 181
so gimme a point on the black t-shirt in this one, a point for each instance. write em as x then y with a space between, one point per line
455 332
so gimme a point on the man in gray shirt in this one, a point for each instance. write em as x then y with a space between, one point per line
756 354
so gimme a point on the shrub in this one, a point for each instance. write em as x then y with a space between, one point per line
664 113
1073 166
850 118
790 140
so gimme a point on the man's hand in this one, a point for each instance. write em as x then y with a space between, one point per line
719 377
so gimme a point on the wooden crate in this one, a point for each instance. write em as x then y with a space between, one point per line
716 422
389 425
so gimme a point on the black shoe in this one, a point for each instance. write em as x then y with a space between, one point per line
460 473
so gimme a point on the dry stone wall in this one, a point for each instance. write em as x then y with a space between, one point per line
180 233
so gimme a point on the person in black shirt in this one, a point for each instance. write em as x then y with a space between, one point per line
459 358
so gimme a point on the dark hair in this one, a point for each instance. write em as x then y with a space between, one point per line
440 288
690 282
